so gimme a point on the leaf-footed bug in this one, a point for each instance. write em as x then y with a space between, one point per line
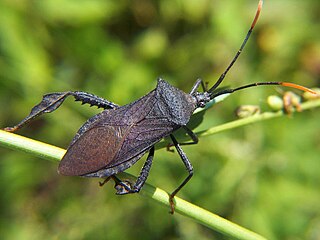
115 139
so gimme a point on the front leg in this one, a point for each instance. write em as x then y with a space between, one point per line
196 85
191 134
52 101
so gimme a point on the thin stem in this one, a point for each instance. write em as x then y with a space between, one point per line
36 148
200 215
241 122
183 207
255 118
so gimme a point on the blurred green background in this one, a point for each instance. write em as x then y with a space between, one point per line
263 176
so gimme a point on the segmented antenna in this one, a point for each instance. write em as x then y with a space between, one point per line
240 49
231 90
285 84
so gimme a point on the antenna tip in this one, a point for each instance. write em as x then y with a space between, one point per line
260 4
293 85
257 14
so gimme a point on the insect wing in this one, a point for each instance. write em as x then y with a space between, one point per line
100 139
117 137
92 151
142 136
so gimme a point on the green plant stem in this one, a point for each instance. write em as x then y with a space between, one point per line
200 215
242 122
255 118
36 148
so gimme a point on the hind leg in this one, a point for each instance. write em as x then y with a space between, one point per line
52 101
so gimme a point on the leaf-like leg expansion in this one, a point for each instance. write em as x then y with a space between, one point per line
124 187
189 167
52 101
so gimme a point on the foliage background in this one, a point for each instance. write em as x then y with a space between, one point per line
263 176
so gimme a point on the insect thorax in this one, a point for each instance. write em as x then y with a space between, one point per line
174 103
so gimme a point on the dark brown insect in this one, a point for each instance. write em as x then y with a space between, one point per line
115 139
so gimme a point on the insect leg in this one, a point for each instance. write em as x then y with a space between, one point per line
196 86
52 101
144 172
124 187
92 99
189 167
191 134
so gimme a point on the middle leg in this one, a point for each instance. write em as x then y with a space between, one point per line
189 168
125 187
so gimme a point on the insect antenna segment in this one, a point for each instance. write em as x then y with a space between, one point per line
223 75
210 94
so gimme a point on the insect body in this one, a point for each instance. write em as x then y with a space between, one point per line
115 139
